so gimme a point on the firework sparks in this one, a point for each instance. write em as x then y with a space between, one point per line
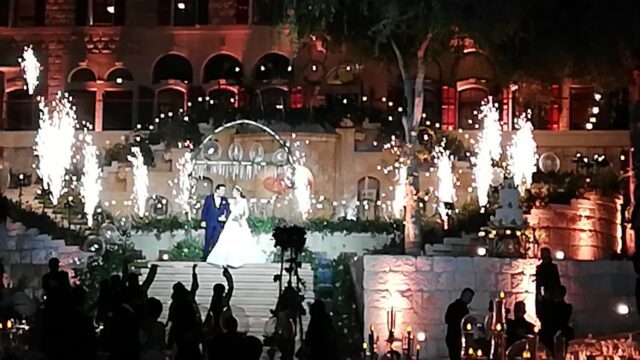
522 151
140 181
488 149
30 68
54 143
91 184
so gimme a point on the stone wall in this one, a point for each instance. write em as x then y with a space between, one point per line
586 229
421 288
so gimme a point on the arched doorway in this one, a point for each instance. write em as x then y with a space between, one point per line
368 197
273 68
81 86
223 67
172 67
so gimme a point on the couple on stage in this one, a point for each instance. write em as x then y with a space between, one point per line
228 239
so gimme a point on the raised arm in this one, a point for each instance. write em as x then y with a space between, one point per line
229 293
195 285
151 276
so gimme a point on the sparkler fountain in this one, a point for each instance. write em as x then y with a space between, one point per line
446 183
488 149
30 68
91 184
523 156
140 181
54 143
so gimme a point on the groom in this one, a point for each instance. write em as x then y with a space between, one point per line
215 213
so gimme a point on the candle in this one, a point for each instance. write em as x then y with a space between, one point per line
371 337
418 352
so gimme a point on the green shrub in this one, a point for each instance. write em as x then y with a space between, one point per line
186 250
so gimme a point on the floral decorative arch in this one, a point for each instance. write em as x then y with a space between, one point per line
201 163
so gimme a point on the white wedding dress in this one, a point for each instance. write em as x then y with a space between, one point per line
236 246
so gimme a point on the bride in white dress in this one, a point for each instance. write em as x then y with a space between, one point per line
236 246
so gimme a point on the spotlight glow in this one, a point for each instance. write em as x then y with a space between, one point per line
91 184
622 309
140 181
488 149
481 251
54 143
30 68
523 155
560 255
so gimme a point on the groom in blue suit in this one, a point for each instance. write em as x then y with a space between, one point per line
215 213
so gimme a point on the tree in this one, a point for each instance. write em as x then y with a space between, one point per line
404 34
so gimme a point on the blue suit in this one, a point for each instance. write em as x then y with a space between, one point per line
211 215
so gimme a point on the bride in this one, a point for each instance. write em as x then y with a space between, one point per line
235 246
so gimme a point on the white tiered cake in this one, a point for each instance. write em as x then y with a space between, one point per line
509 213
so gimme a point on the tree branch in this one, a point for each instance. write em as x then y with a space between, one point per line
406 122
418 90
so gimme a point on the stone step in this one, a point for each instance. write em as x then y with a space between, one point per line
457 241
255 293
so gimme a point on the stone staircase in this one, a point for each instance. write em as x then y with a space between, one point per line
462 246
254 296
25 254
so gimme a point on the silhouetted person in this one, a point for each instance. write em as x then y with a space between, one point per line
321 341
547 279
103 303
123 333
220 302
562 311
184 325
75 337
453 318
519 328
55 284
228 344
152 340
250 348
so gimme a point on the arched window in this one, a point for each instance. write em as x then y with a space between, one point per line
119 75
469 102
170 99
81 75
21 110
273 68
222 67
368 197
271 102
172 67
81 87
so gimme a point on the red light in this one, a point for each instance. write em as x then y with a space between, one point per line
296 98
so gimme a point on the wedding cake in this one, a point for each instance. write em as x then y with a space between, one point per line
509 213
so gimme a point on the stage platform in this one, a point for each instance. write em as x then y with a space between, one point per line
254 295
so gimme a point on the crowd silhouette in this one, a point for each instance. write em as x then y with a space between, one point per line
128 321
124 323
552 311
